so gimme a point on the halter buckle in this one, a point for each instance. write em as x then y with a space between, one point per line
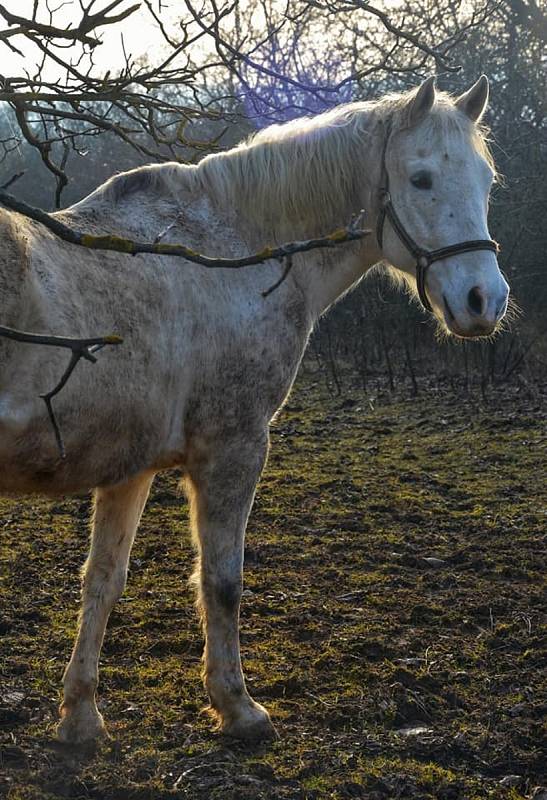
423 262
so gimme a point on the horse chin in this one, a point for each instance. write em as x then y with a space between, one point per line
474 334
474 331
449 329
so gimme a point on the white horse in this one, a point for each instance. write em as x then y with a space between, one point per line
207 360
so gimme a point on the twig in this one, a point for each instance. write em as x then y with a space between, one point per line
120 244
81 348
88 24
12 180
288 267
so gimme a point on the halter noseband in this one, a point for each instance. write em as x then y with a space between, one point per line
424 258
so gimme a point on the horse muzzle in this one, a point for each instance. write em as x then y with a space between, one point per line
477 313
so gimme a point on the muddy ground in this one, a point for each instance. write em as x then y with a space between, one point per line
390 620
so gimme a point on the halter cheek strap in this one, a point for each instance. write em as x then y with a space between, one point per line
424 258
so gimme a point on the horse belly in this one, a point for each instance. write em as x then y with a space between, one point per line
99 452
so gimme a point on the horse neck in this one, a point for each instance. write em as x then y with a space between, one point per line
325 278
281 189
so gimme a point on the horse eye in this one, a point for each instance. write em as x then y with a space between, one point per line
422 180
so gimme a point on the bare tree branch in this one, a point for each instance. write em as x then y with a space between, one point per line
440 58
87 24
269 62
120 244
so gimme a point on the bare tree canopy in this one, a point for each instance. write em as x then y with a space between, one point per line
213 65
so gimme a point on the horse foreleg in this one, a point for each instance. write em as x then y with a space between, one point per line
221 493
117 514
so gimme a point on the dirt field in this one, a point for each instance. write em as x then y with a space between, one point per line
390 621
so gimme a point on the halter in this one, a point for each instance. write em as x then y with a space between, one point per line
424 258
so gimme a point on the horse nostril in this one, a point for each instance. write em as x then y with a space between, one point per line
474 300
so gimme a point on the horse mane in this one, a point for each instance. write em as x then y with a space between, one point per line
306 176
302 177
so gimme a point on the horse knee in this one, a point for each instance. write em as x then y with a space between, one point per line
118 582
104 581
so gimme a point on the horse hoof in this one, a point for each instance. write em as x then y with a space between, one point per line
81 726
252 727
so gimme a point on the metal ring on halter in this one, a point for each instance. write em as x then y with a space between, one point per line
424 258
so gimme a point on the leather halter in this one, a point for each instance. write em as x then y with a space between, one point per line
424 258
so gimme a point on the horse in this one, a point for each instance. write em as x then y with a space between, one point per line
207 360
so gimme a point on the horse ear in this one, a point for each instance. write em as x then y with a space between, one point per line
422 102
473 102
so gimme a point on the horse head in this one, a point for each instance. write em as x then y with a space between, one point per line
437 176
